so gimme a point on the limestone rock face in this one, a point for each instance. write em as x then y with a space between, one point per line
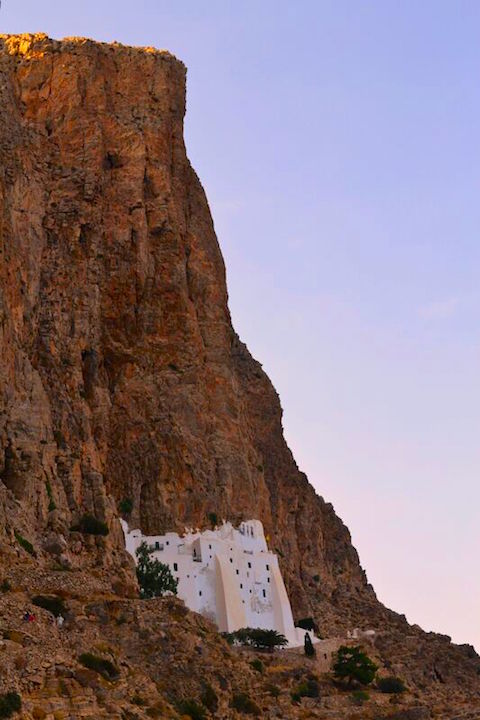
121 375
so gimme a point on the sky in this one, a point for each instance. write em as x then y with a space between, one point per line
338 143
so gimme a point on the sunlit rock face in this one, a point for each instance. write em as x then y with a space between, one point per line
121 374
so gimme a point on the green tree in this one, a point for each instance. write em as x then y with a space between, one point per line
154 577
308 646
354 666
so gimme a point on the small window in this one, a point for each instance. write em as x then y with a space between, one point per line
268 579
250 592
157 545
231 560
248 574
168 542
200 593
237 571
175 566
241 586
210 557
264 593
209 547
249 564
268 567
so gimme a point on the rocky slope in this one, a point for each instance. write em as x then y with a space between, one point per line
121 375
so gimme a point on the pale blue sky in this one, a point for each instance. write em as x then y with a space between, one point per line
338 142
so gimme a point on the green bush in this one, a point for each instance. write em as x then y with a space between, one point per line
213 519
103 667
10 703
210 698
193 709
391 685
273 690
244 704
90 525
25 544
5 586
126 506
52 603
154 577
257 665
256 637
354 666
308 688
359 697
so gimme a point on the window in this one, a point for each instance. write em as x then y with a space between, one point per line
268 579
168 542
249 564
264 593
236 571
268 567
157 545
231 560
200 593
241 586
175 566
210 547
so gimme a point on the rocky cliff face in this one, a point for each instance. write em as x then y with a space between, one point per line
121 376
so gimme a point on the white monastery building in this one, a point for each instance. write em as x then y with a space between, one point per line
227 575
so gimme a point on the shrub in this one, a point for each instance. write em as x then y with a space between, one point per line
257 637
25 544
308 688
353 665
210 698
154 577
213 519
391 685
126 506
138 700
52 603
100 665
193 709
273 690
90 525
5 586
360 696
244 704
10 703
257 665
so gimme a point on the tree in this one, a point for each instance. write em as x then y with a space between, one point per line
154 577
354 666
308 646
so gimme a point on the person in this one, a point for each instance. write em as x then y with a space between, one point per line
60 621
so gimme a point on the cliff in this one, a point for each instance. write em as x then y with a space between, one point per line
121 375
